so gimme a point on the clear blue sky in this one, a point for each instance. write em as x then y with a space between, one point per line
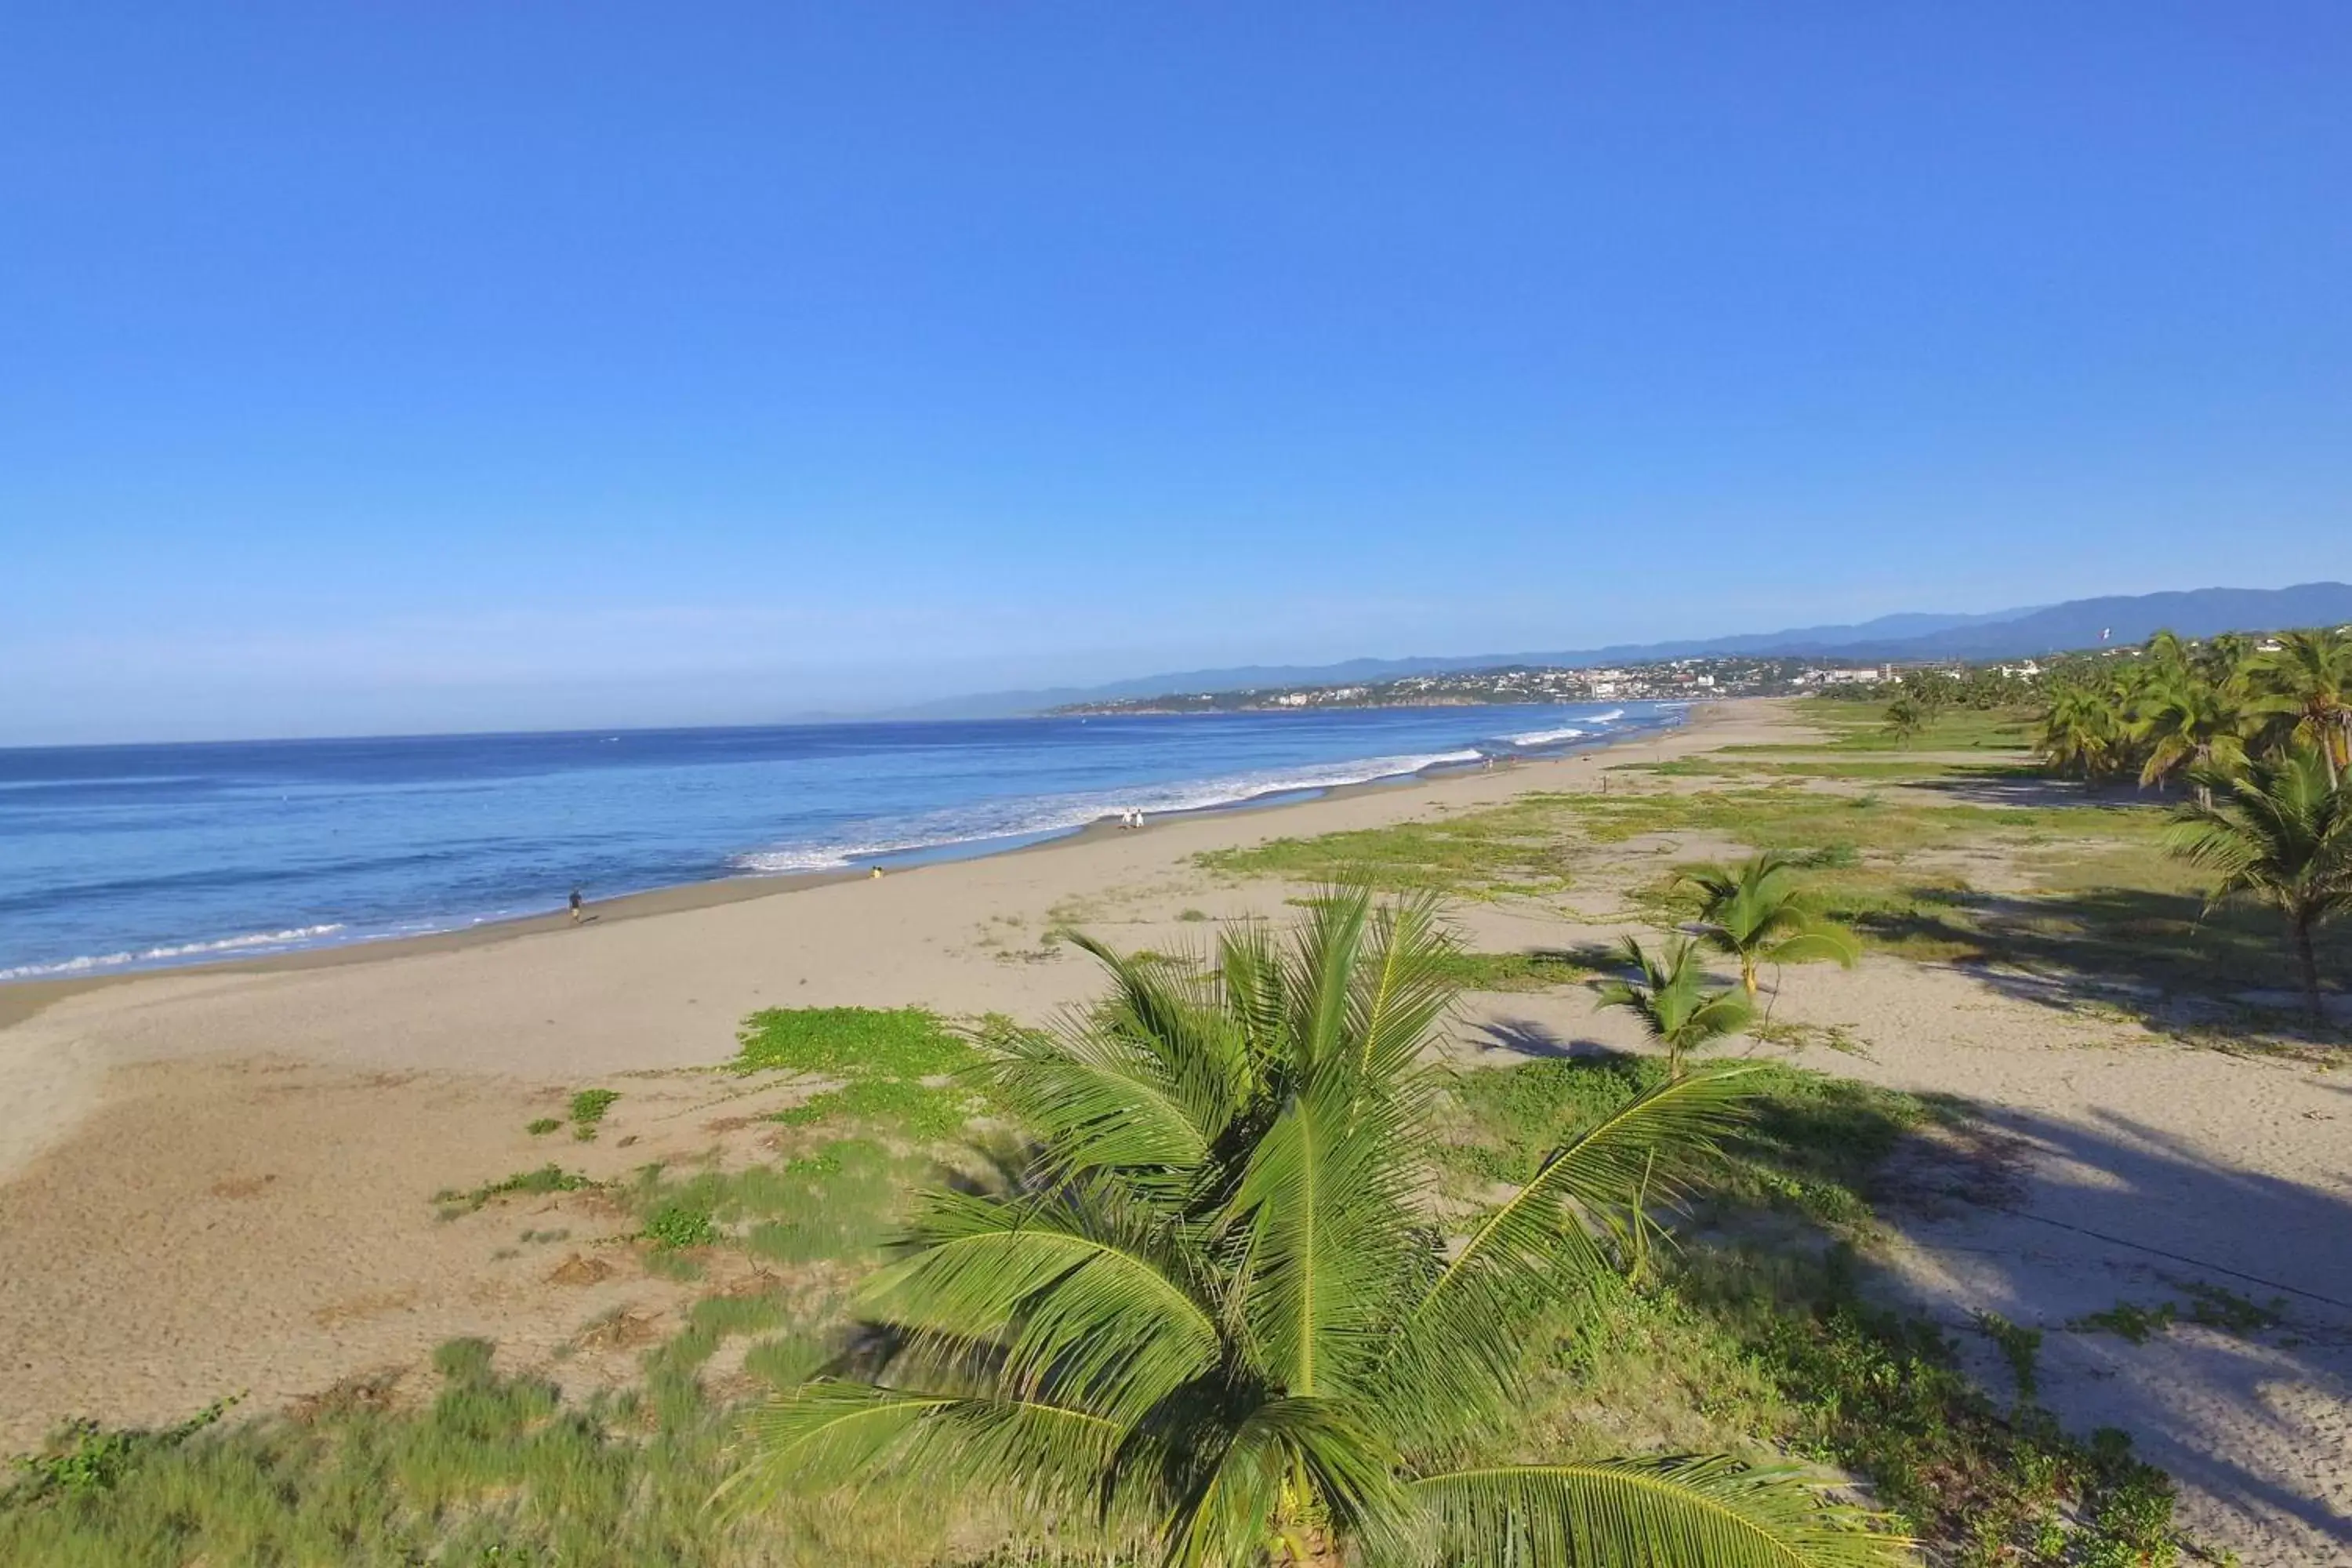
409 366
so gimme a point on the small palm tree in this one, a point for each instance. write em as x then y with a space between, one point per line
1674 1000
1905 717
1216 1315
1755 912
2279 834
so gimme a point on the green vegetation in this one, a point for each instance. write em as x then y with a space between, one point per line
1468 971
1678 1009
83 1457
543 1125
548 1178
2279 834
850 1042
1748 1332
1088 1337
2211 1306
494 1469
1938 723
2171 707
903 1066
588 1109
1758 913
2021 1347
1507 849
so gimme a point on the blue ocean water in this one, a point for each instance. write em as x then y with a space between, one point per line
123 856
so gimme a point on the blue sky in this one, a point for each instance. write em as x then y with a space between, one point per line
379 367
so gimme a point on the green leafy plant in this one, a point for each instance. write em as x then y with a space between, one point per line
547 1178
83 1456
588 1109
676 1227
2021 1347
1672 997
1208 1312
543 1125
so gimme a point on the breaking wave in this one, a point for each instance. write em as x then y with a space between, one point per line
295 936
1042 816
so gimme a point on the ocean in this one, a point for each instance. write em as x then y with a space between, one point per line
115 858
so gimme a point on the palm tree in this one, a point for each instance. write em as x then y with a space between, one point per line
1673 1001
1905 717
2190 725
1216 1315
2307 685
1755 912
2081 731
2279 834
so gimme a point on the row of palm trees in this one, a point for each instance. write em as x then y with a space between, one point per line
2181 706
2262 736
1211 1317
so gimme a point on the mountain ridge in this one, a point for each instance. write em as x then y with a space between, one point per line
2019 633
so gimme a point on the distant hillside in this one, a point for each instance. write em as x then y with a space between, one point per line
2003 634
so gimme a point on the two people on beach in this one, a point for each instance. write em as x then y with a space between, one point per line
1132 817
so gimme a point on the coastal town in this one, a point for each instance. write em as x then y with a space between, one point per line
1674 679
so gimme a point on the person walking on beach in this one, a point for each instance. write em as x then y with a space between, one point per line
576 906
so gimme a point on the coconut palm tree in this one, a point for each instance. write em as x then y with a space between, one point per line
1905 717
2188 725
2307 683
1755 911
2279 834
1674 1000
1216 1318
2081 732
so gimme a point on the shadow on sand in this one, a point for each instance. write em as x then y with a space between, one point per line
2047 1222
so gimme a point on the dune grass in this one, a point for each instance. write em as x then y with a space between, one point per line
1507 849
900 1067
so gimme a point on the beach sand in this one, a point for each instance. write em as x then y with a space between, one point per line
221 1180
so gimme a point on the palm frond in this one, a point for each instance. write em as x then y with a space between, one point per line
827 1433
1098 1101
1458 1350
1656 1514
1404 989
1817 943
1085 1302
1324 1212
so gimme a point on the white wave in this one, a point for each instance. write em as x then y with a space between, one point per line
1609 718
290 937
1042 815
1545 737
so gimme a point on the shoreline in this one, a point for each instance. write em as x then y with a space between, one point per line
23 1000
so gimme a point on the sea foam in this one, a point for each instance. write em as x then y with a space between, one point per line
1044 815
295 936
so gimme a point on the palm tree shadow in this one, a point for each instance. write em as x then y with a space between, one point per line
2115 1212
2160 958
1501 1042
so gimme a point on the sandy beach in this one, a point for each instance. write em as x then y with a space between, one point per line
219 1181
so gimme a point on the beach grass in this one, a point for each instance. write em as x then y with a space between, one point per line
1487 854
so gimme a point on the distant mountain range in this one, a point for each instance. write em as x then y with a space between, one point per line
2004 634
